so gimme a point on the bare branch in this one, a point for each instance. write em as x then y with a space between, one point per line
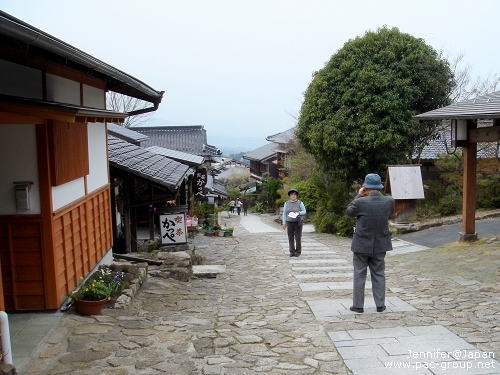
122 103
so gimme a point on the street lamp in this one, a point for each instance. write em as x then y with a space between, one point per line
459 133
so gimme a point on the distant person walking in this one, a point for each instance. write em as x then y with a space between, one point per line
231 206
238 205
245 207
293 210
371 240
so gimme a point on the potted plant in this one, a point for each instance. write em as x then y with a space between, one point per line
228 232
89 298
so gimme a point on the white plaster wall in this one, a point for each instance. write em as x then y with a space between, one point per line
98 156
18 80
62 90
66 193
93 97
18 162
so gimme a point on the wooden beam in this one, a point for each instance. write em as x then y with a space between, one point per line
23 109
487 134
14 118
48 243
469 189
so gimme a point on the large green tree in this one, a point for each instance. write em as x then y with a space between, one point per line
357 111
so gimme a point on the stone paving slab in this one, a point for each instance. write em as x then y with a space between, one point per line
208 270
405 247
337 307
321 268
316 261
315 245
330 285
322 275
417 350
326 253
253 224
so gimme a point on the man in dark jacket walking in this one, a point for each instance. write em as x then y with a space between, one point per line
371 240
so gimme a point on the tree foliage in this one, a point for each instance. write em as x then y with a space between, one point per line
357 111
236 179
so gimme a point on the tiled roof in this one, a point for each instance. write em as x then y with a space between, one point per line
181 157
190 139
148 165
262 153
126 134
436 146
283 137
220 189
482 107
442 145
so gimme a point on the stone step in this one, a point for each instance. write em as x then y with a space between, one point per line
208 271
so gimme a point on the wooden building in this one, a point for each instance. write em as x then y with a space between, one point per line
464 117
55 215
262 160
272 158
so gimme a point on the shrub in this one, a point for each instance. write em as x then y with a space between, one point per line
345 226
259 207
450 204
488 191
324 221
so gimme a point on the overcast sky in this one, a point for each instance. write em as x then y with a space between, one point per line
240 68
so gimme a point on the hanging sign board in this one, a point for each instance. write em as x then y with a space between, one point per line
199 182
173 228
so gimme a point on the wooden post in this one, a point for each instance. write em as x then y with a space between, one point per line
133 217
151 216
126 212
469 190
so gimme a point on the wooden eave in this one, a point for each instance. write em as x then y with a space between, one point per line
23 110
35 42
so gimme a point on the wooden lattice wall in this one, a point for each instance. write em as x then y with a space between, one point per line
82 236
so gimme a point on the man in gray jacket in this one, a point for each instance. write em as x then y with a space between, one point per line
371 240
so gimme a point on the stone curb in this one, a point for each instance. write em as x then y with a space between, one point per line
415 227
129 294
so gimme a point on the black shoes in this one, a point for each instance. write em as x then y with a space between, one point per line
294 255
357 309
360 309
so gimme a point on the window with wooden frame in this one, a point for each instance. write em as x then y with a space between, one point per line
69 153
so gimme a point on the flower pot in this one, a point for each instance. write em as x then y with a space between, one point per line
221 233
228 233
209 234
85 307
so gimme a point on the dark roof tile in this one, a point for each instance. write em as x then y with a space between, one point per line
150 166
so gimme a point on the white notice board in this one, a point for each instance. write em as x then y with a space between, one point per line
173 228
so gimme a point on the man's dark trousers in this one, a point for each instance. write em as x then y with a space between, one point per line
376 263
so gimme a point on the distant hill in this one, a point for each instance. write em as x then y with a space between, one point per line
237 156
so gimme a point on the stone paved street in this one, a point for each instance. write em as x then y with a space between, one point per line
271 314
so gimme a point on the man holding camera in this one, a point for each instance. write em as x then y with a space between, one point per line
371 240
